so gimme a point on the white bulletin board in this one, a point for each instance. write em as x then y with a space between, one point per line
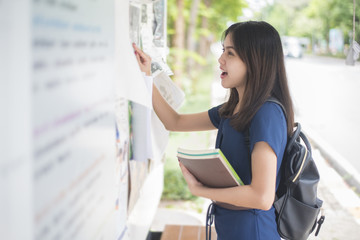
78 147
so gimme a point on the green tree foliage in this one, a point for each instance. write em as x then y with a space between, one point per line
211 20
286 16
312 18
175 187
219 13
333 14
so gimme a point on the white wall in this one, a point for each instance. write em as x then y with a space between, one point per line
67 72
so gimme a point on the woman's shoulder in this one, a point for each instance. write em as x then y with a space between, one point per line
269 125
214 115
215 110
270 109
269 114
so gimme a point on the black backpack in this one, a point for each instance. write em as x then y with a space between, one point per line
297 205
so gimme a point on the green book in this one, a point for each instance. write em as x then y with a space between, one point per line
210 167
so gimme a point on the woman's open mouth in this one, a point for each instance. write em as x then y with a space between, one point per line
223 74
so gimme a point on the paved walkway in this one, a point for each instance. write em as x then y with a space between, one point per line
341 204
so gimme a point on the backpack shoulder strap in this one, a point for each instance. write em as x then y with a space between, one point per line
275 100
247 131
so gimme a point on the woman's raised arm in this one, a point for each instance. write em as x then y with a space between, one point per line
168 116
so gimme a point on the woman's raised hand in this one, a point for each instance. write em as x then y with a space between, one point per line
143 59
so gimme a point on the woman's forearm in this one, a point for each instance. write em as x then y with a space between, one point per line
242 196
164 111
179 122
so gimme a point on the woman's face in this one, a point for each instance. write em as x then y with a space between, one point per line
232 67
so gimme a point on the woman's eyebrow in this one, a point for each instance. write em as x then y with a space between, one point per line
229 47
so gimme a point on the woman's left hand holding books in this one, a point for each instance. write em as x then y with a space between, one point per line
194 185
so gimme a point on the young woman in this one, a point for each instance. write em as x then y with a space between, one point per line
252 66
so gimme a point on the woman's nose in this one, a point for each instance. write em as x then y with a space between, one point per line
221 60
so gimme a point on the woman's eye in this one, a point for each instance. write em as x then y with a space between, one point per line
228 52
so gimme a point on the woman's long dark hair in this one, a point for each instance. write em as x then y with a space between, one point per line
258 45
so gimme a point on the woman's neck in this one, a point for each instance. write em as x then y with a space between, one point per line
238 105
237 108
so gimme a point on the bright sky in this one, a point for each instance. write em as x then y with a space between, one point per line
257 4
254 6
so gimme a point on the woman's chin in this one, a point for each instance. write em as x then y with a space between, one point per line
224 85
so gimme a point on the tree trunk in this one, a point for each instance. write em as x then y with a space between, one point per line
190 42
179 41
204 40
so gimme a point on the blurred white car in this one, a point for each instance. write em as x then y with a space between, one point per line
292 47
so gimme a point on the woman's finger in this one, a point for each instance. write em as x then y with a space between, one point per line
187 174
181 166
143 55
140 52
135 47
138 57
